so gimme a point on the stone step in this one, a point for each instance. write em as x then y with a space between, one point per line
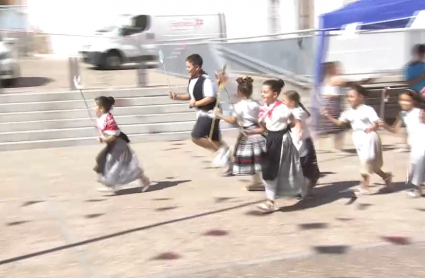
79 104
88 94
86 122
48 134
91 140
82 113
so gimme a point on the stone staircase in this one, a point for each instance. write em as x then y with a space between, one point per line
43 120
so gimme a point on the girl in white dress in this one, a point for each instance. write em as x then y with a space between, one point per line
301 137
364 122
414 120
250 148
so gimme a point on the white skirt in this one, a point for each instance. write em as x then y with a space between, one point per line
367 145
416 174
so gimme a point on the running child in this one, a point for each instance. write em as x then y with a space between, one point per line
301 138
414 120
116 164
281 167
250 146
203 97
364 122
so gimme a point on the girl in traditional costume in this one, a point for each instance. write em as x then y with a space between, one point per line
116 164
281 169
301 137
250 146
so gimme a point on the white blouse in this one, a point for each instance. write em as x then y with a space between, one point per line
302 116
246 111
275 116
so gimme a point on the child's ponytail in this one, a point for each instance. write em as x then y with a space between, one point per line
303 108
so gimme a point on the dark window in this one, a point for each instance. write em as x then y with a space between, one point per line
138 25
141 22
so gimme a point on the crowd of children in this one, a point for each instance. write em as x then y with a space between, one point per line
274 144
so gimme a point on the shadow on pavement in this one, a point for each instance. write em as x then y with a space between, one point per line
159 186
101 238
398 187
27 82
325 195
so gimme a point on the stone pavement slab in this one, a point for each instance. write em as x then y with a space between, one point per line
193 222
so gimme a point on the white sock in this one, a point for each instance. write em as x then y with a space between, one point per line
270 187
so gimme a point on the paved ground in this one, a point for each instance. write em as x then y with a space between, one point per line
197 224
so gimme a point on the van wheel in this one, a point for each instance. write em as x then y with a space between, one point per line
112 60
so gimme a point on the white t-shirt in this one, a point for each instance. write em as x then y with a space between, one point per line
301 115
209 90
275 116
361 118
247 112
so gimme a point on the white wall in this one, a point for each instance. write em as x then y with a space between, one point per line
288 16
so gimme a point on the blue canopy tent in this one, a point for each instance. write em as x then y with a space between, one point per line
370 15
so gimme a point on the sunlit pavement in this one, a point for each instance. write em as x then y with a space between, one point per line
194 223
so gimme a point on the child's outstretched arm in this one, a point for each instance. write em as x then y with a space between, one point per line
259 130
230 120
394 128
175 96
332 119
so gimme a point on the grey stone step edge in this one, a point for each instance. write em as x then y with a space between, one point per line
70 142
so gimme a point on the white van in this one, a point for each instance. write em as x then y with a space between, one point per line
133 38
9 67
